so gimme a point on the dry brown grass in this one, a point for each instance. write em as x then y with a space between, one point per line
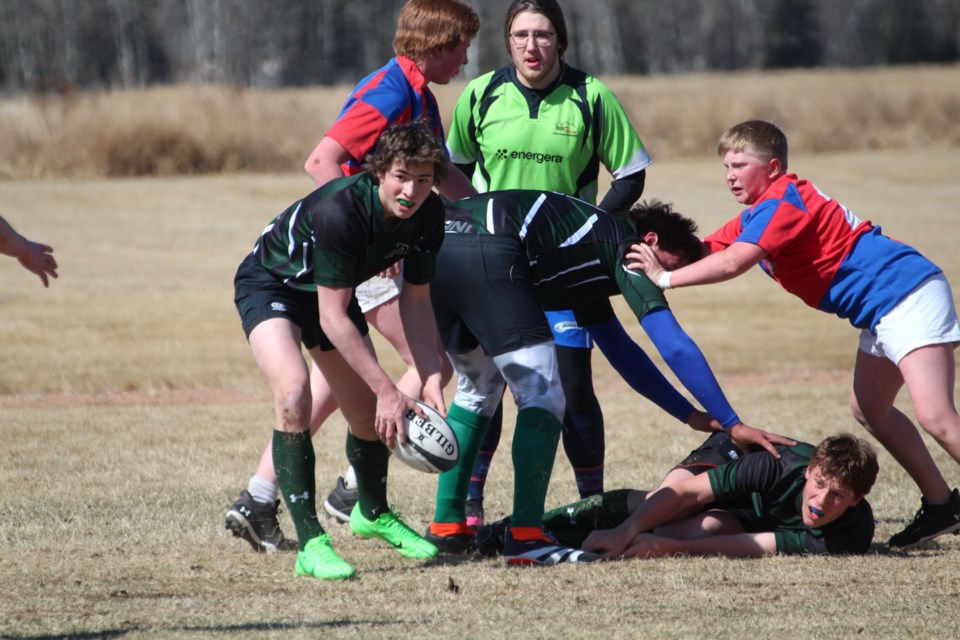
191 130
131 413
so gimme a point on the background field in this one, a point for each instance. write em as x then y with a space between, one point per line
175 130
131 413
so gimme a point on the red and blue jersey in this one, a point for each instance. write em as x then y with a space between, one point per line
395 93
825 255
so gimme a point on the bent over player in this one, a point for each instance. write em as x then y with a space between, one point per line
506 257
297 287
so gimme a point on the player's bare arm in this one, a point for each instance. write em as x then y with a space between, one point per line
420 327
35 257
741 545
324 162
392 405
456 185
664 505
716 267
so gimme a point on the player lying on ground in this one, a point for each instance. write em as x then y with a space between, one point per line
507 256
719 501
834 261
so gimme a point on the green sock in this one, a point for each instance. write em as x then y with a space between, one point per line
294 462
370 459
572 523
452 486
534 450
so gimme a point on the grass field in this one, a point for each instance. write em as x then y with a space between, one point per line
131 413
174 130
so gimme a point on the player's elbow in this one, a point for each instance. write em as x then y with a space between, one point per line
676 352
312 167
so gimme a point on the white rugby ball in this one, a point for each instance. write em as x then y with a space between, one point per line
432 445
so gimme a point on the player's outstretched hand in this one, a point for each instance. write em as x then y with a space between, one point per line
645 260
38 258
746 437
608 542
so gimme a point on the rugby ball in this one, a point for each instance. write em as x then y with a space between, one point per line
432 445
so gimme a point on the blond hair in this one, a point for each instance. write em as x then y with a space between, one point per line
760 138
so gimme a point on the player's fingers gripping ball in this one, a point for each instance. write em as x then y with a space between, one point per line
432 446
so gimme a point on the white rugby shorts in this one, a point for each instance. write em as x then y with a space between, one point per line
375 291
926 316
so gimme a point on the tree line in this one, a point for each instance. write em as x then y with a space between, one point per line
62 45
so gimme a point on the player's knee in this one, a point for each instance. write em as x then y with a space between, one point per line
484 404
856 411
581 398
292 405
551 400
942 425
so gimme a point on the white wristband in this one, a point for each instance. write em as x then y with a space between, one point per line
664 280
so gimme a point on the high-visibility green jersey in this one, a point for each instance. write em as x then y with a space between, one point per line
555 139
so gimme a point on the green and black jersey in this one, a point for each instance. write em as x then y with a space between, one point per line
338 237
556 139
774 489
576 251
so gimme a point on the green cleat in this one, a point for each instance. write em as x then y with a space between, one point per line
319 560
392 529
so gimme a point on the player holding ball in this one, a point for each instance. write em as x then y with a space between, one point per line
297 288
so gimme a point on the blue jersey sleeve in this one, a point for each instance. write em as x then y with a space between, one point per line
636 367
685 359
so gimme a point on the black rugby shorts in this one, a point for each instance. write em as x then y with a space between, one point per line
259 296
482 295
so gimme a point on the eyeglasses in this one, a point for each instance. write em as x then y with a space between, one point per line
540 38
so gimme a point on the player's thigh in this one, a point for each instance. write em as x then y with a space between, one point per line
532 374
876 383
357 401
576 375
479 382
275 343
930 374
276 320
385 318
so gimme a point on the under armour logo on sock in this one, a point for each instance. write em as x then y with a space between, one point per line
302 496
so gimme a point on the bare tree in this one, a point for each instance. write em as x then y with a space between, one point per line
52 44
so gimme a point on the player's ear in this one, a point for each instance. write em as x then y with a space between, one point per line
774 168
651 238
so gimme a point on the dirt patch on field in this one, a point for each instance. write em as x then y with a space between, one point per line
130 398
235 396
